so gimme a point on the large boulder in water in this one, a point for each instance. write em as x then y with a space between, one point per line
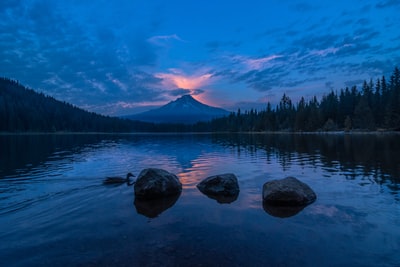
156 183
288 192
223 187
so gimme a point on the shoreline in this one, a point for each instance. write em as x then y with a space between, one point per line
354 132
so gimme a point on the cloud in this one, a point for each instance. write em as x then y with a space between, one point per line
161 39
179 92
117 82
10 4
182 91
388 3
363 21
214 46
352 83
317 42
376 67
259 63
303 7
329 50
329 85
309 59
197 92
140 52
85 64
177 79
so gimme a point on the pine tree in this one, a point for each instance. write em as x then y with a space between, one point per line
377 104
363 116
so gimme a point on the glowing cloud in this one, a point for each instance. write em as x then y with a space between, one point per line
194 84
180 80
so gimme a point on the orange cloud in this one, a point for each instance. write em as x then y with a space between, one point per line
179 80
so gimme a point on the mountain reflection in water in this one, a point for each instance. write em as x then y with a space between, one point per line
56 211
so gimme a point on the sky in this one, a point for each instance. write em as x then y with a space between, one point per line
127 56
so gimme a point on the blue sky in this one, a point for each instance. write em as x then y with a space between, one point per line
123 57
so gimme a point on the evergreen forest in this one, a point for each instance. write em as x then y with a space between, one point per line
24 110
374 106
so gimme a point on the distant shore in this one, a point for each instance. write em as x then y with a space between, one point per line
353 132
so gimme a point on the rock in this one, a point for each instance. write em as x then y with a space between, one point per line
223 187
288 192
156 183
151 208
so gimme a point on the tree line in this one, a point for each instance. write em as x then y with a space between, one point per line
376 105
24 110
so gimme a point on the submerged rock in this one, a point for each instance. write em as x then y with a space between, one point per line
223 187
288 192
156 183
151 208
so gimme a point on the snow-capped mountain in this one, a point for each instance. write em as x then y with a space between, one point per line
185 109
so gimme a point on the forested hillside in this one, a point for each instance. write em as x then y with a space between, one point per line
24 110
374 106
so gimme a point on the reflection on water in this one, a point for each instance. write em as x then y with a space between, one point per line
355 153
54 209
282 211
153 207
222 199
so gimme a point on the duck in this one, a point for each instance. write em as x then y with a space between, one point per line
119 180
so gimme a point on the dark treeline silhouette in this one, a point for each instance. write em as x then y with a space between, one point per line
375 106
24 110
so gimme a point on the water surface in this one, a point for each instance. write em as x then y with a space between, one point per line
55 211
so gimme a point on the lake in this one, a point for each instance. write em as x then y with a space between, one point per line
55 211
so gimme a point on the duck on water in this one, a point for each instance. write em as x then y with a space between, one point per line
119 180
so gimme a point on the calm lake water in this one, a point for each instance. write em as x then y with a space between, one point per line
55 211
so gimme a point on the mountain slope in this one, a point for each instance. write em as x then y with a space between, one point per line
183 110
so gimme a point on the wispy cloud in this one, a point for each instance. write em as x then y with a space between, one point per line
161 39
329 50
388 3
215 45
117 82
256 63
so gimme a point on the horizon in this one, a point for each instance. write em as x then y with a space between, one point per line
126 58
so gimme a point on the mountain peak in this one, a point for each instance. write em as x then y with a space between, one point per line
185 101
184 109
186 97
